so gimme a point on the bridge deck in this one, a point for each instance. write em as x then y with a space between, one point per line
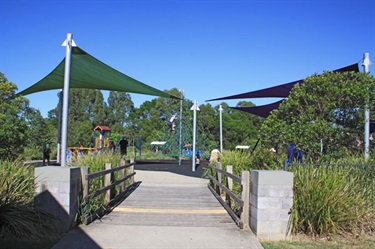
171 208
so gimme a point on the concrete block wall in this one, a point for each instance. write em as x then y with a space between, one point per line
57 190
271 197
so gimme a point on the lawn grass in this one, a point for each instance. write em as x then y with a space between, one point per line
338 242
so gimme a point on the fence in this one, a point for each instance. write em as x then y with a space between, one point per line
243 202
110 184
360 175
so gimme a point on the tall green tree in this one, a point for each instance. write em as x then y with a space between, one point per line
119 108
99 110
329 108
13 126
80 117
239 128
39 129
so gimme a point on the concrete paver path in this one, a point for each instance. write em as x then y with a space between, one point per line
171 208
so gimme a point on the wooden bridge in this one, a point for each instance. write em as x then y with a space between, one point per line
171 208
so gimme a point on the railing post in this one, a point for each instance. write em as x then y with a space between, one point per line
229 184
85 170
230 180
285 165
107 181
245 196
122 173
131 170
218 177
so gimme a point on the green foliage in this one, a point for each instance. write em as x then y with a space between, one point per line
329 106
119 108
326 200
39 129
96 163
12 120
329 201
19 220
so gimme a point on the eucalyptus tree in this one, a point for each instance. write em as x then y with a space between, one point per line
239 128
80 118
119 108
13 125
326 110
39 129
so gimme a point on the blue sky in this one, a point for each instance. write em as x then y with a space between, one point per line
208 48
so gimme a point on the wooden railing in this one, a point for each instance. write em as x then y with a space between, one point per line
109 183
217 187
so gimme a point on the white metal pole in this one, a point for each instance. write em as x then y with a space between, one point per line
180 143
221 129
366 64
64 136
194 108
60 95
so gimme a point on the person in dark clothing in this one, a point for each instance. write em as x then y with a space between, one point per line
123 146
46 152
112 147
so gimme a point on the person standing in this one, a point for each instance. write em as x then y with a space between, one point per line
46 152
112 147
123 146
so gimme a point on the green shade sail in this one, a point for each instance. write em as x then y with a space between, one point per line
88 72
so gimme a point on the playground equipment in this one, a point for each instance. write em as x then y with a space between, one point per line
175 140
102 141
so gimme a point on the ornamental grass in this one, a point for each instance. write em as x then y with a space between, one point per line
19 219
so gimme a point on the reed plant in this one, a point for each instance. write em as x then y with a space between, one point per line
329 202
96 162
19 219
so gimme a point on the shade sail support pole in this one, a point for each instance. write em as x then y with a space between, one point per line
60 95
194 108
180 143
64 132
366 64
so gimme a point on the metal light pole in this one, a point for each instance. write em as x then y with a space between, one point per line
366 64
194 108
221 129
68 44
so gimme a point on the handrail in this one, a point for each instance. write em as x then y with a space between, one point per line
109 183
227 190
234 177
107 171
108 187
244 202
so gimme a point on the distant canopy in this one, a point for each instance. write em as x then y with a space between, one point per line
88 72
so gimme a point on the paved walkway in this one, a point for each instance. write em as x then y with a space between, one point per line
171 208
